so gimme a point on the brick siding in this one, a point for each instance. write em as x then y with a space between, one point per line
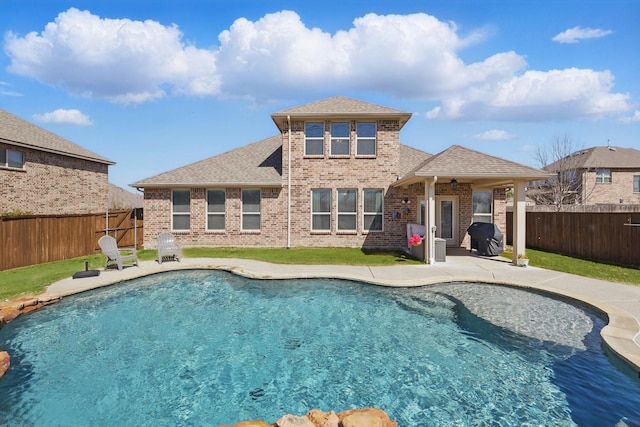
54 184
618 191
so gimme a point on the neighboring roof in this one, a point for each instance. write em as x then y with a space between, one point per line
20 133
603 157
119 198
339 107
259 163
466 165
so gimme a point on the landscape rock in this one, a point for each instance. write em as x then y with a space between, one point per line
5 362
323 419
257 423
294 421
369 417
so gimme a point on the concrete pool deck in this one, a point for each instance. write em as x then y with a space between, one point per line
620 302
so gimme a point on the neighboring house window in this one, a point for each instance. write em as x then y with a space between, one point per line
215 209
482 202
340 139
347 209
251 209
11 158
181 209
636 183
320 210
372 210
366 139
314 139
603 176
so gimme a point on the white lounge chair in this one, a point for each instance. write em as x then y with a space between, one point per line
109 248
168 247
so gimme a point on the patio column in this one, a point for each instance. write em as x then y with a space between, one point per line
430 222
519 220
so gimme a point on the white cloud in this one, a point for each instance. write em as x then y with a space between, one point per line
494 135
412 56
575 34
634 118
117 59
60 116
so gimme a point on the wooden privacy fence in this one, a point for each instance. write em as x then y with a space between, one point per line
29 240
612 237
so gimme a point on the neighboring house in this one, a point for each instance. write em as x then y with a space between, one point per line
119 198
336 175
603 175
42 173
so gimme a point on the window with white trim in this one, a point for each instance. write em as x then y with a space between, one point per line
180 210
11 158
636 183
216 200
347 209
340 142
250 210
366 139
603 176
321 210
314 139
482 206
372 215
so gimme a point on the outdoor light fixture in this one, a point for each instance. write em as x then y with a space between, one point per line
454 184
406 201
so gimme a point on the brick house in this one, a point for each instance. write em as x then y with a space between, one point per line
336 175
44 174
604 175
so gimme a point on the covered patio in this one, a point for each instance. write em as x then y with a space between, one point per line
448 187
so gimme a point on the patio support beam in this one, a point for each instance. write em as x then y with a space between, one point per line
430 223
519 220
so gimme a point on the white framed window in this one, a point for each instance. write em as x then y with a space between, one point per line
216 200
636 183
11 158
314 139
603 176
180 210
340 141
366 139
347 209
250 210
321 209
482 206
372 215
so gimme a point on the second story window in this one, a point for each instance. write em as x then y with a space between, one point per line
603 176
636 183
180 209
314 139
366 139
11 158
340 139
215 209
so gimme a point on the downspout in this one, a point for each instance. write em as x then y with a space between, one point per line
289 184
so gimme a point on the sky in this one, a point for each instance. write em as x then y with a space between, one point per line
156 85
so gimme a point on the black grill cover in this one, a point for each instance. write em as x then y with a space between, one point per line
486 238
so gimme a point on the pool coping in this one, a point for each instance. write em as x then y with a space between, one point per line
620 303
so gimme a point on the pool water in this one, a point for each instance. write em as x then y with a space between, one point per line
210 348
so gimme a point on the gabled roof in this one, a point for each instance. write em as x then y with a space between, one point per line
256 164
339 107
17 132
602 157
466 165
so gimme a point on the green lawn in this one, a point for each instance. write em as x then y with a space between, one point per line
35 279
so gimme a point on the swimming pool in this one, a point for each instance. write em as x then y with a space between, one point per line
208 348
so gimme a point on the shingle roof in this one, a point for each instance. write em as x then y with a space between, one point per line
604 157
410 158
18 132
340 107
460 162
259 163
